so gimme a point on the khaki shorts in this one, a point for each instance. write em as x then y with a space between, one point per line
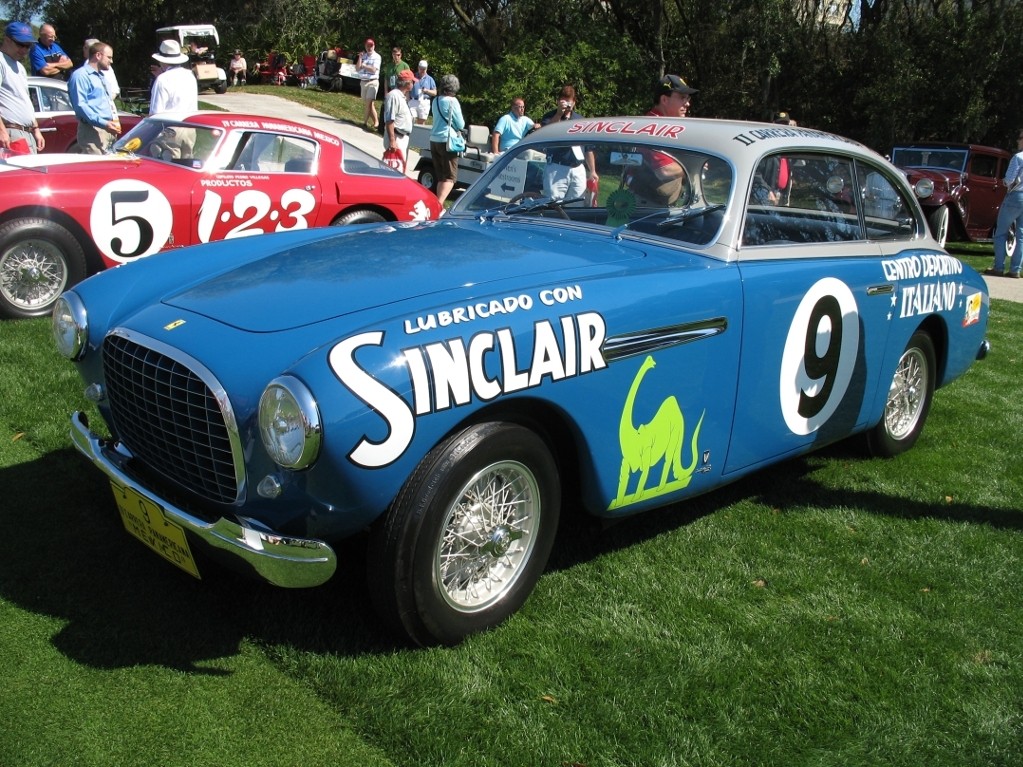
369 89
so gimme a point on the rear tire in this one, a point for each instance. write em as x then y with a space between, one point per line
358 217
909 399
468 535
39 260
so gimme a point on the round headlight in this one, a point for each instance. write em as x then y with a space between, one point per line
70 326
289 423
924 188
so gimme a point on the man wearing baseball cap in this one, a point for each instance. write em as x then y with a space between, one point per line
424 90
367 64
660 180
17 116
397 115
671 97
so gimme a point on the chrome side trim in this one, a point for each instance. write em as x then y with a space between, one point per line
280 560
655 339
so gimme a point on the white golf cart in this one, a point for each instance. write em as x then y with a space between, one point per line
200 42
477 157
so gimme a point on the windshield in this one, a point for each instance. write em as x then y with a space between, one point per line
173 142
667 191
925 157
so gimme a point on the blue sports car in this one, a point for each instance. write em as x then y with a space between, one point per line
623 311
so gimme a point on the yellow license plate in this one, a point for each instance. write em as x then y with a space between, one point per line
146 521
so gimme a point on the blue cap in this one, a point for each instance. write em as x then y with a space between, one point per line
20 32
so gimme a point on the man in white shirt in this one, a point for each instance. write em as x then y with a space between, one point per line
18 125
368 66
398 115
175 90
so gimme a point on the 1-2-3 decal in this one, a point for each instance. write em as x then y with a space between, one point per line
820 355
131 219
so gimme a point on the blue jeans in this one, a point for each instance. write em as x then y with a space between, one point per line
1011 211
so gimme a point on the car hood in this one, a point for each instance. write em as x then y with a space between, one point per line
369 267
76 165
937 175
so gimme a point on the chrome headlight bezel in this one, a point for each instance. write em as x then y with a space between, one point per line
289 423
70 326
923 188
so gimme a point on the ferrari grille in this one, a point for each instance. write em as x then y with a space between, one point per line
169 418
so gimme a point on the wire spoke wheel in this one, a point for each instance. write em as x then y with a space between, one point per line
909 399
39 260
488 536
907 394
468 535
32 274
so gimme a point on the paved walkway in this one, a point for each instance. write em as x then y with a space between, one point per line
237 100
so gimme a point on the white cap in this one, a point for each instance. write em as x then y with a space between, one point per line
423 64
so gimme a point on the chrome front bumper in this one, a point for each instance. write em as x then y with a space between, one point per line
281 560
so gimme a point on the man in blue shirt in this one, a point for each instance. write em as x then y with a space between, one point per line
47 58
424 90
98 126
511 127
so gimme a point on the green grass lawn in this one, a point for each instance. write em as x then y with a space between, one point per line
832 610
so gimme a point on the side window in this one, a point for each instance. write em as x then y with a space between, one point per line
274 153
887 213
55 100
802 198
984 165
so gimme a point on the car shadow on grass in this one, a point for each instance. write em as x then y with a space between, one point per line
66 554
790 483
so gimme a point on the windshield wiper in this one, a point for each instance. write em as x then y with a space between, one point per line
527 205
671 216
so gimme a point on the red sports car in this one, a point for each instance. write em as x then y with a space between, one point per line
177 180
56 116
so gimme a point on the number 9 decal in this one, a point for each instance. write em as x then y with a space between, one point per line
130 219
820 355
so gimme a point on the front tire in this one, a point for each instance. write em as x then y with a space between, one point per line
468 536
938 221
39 260
909 399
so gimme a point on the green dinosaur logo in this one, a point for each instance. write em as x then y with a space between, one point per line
659 441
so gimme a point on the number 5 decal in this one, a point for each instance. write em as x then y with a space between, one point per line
130 219
820 355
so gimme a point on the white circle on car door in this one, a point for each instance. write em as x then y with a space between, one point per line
820 355
130 219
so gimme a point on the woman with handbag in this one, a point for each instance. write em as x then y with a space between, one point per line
446 140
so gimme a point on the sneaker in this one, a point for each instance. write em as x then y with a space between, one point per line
992 272
1013 275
